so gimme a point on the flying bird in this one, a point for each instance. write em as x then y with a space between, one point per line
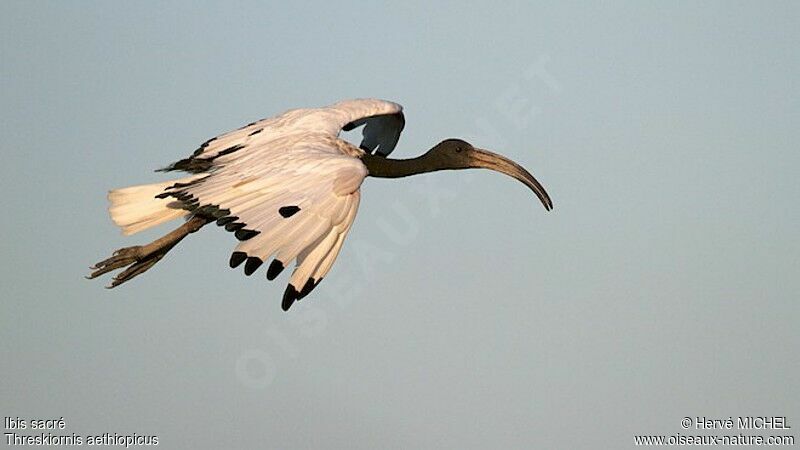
287 187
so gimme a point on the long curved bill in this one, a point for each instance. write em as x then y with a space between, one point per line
492 161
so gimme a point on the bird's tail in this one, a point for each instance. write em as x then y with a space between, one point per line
136 208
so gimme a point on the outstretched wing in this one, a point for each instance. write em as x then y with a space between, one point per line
295 200
383 122
381 131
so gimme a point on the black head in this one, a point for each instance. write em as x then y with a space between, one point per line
453 154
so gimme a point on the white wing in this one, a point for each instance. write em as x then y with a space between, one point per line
288 186
294 200
383 122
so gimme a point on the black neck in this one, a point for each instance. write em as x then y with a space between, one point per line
380 167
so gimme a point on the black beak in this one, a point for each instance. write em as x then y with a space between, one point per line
492 161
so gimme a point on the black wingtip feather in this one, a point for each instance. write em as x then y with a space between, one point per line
289 297
244 235
275 269
226 220
307 288
252 264
288 211
237 258
234 226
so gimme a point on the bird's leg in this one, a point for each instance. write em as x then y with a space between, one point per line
139 258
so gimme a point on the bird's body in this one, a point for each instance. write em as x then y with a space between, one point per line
287 187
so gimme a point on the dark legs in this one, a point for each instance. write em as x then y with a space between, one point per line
139 258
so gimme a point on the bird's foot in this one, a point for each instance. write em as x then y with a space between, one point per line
138 259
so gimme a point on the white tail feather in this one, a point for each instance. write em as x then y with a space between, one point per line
136 208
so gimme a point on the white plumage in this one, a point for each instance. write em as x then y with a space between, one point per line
245 177
287 187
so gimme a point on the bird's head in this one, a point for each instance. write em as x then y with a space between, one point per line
454 154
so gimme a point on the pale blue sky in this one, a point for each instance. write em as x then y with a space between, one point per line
460 314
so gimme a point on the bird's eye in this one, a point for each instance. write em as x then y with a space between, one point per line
459 149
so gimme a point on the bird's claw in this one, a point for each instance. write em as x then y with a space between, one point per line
137 260
138 268
119 259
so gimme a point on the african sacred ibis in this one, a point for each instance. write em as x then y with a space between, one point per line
287 187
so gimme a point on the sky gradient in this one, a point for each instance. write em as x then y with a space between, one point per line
459 314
